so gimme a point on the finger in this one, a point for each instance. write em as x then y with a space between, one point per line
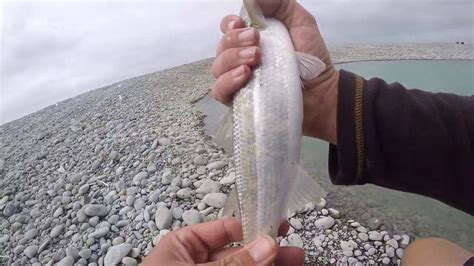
262 251
212 235
283 229
231 22
289 256
229 83
233 57
238 38
279 9
220 253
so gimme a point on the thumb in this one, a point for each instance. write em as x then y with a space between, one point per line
262 251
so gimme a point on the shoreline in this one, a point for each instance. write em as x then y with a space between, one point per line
96 172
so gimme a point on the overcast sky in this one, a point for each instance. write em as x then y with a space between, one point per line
53 50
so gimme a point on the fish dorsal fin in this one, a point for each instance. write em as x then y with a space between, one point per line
305 190
309 66
252 14
232 206
223 135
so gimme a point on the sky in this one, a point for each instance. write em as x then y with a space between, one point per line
54 50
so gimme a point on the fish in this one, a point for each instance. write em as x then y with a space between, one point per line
266 128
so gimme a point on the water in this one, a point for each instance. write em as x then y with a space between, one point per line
402 212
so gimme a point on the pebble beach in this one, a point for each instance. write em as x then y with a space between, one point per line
99 178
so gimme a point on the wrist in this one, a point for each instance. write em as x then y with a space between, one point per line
320 106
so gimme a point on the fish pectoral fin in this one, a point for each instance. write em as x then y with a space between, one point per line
223 135
305 190
309 66
232 206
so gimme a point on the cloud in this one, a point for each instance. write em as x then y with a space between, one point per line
54 50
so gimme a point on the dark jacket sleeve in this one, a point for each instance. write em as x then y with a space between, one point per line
408 140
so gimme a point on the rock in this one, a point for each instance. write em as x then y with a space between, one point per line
96 210
30 234
56 231
155 196
157 238
177 212
374 223
375 236
100 232
191 217
130 200
296 223
134 253
355 224
390 252
200 160
208 186
30 251
127 261
163 218
399 252
385 260
9 209
216 200
58 212
137 179
183 193
164 141
228 180
371 251
83 190
324 223
216 165
405 241
363 236
66 261
334 213
295 240
393 243
139 204
85 253
115 254
347 245
321 204
73 252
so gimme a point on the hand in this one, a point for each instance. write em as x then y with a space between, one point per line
238 52
204 243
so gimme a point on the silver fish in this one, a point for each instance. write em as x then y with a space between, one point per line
267 131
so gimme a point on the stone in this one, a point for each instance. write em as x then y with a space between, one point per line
375 236
115 254
96 210
216 200
100 232
83 190
296 223
85 253
163 218
139 204
399 252
390 252
191 217
393 243
30 251
66 261
363 236
385 260
127 261
324 223
200 160
361 229
295 240
334 213
405 241
228 180
56 231
73 252
177 212
157 238
183 193
155 196
137 179
374 223
129 200
208 186
216 165
9 209
321 204
164 141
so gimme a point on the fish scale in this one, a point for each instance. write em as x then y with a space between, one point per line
267 118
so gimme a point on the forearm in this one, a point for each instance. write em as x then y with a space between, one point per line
402 139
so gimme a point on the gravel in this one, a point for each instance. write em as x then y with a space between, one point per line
100 178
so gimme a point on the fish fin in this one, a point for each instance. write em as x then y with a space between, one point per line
309 66
252 14
223 134
232 206
305 190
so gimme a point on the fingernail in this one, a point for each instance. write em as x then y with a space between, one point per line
246 35
237 72
231 24
262 248
247 52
